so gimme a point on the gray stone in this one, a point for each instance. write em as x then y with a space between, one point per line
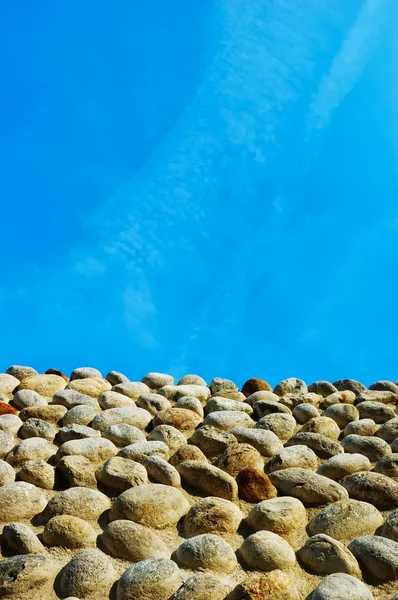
217 403
80 502
21 372
152 579
219 384
21 574
371 447
204 586
69 532
380 413
388 465
384 386
96 450
115 377
20 501
38 473
342 465
152 505
340 586
161 471
377 555
212 515
190 403
81 415
212 441
346 397
261 395
323 446
304 412
157 380
209 479
6 443
20 539
89 574
292 385
175 392
388 431
32 448
282 425
123 434
207 551
121 474
262 408
37 428
324 388
169 435
72 398
77 471
133 542
132 389
284 516
192 380
84 373
349 384
131 415
266 442
267 551
153 403
346 519
323 426
383 396
361 427
142 450
322 554
390 527
76 432
307 486
25 398
376 488
293 456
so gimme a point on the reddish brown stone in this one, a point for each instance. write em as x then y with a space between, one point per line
57 372
180 418
6 409
255 385
254 485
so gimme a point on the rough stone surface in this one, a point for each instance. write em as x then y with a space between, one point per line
131 415
10 423
266 442
254 485
361 427
178 418
20 539
226 420
212 515
89 574
346 519
371 447
38 473
275 585
123 434
187 452
6 443
31 448
342 465
323 426
121 474
342 414
380 490
236 458
21 574
157 380
378 412
80 502
141 450
293 456
323 446
96 450
7 473
91 386
267 551
20 500
79 415
208 479
161 471
190 403
323 555
77 471
349 384
307 486
290 386
151 579
388 465
115 377
76 432
52 413
388 431
71 398
21 372
340 586
112 399
204 586
69 532
390 527
283 516
153 403
211 440
305 412
45 385
377 555
207 551
282 425
25 398
169 435
37 428
133 542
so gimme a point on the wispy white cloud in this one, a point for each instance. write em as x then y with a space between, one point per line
347 66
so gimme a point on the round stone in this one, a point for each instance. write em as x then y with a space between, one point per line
7 473
91 386
212 515
340 586
346 519
76 432
112 399
390 528
190 403
192 380
283 516
323 446
267 551
152 505
132 389
342 465
217 403
208 479
324 426
380 490
80 415
72 398
6 443
37 428
96 450
324 388
177 417
121 474
305 412
226 420
78 502
21 372
212 441
293 456
25 398
388 465
32 448
380 413
349 384
52 413
204 586
290 386
187 452
266 442
123 435
255 384
20 539
157 380
219 384
152 579
275 585
236 458
342 414
161 471
153 403
69 532
282 425
377 555
38 473
307 486
115 377
131 415
207 551
19 575
10 423
142 450
254 485
361 427
20 501
89 572
322 554
84 373
388 431
45 385
371 447
346 397
133 542
169 435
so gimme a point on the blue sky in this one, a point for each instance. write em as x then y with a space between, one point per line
206 187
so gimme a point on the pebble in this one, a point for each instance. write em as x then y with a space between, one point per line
25 398
52 413
204 586
292 385
20 539
7 473
79 415
284 516
142 450
132 415
21 372
69 532
361 427
377 555
31 448
115 377
153 505
266 442
282 425
340 586
84 373
212 441
96 450
390 528
190 403
133 542
77 471
121 474
342 465
123 434
179 418
45 385
72 398
76 432
217 403
275 585
254 485
212 515
226 420
132 389
342 414
207 551
192 380
187 452
19 501
208 479
37 428
6 443
378 412
236 458
88 573
169 435
38 473
10 423
293 456
349 384
21 574
323 426
346 520
323 446
151 579
80 502
112 399
267 551
307 486
91 386
388 431
322 554
372 487
371 447
161 471
153 403
157 380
